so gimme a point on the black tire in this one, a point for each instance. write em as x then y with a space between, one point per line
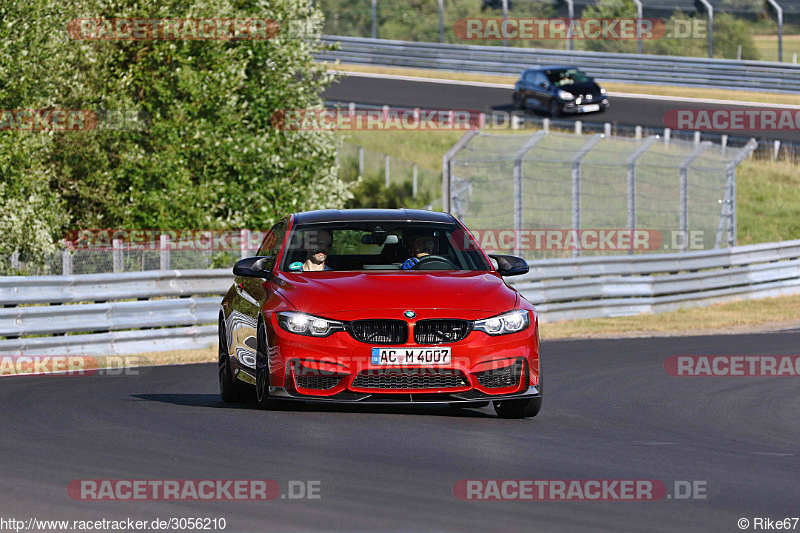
230 390
262 369
518 408
555 109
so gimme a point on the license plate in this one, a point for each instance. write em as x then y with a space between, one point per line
411 356
591 107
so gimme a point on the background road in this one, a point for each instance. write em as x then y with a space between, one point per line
610 412
624 110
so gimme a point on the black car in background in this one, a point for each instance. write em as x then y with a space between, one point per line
559 90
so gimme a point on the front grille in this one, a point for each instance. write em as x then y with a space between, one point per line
379 331
501 377
316 382
438 331
411 378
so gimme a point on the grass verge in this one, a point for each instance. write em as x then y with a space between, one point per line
745 316
657 90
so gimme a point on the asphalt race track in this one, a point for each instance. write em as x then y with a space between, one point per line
610 412
623 110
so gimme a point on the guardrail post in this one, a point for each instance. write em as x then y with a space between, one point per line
639 152
578 127
116 252
374 19
386 169
779 15
684 192
518 207
776 147
667 135
637 133
414 187
576 186
607 129
447 174
164 249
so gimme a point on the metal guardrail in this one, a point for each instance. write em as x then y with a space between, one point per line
172 310
622 68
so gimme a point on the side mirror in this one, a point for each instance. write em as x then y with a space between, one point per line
252 267
509 265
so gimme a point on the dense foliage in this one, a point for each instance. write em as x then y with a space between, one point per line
184 138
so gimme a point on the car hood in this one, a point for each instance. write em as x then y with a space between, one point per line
353 295
581 88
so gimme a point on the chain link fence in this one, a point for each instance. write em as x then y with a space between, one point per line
544 194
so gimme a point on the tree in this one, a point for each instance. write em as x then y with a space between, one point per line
184 138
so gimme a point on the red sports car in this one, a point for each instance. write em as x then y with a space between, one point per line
378 306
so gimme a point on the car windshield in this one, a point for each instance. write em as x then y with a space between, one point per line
382 245
570 76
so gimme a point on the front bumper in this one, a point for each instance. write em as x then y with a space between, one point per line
585 106
415 398
339 368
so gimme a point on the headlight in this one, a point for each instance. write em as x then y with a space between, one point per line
303 324
564 95
510 322
603 91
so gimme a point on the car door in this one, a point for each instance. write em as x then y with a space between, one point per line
527 86
541 89
251 294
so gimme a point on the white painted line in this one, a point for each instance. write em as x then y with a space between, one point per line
614 94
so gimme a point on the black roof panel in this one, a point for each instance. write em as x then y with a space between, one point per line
398 215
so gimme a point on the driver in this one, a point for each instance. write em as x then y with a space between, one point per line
318 247
420 245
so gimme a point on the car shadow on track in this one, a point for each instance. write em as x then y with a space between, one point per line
214 401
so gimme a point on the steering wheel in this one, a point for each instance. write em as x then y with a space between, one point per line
435 262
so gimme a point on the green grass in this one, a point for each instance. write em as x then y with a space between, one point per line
767 46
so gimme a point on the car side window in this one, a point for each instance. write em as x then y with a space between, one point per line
530 76
272 243
540 79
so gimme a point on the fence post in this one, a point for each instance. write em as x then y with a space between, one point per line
386 169
667 136
15 260
638 24
546 124
441 21
505 17
639 152
607 129
779 15
571 8
518 207
684 192
576 187
710 11
164 245
724 143
243 246
776 147
66 263
414 186
116 251
696 138
360 160
447 174
374 19
578 127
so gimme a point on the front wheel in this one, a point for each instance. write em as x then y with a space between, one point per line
231 390
518 408
262 369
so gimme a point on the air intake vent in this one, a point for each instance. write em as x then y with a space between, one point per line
379 331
